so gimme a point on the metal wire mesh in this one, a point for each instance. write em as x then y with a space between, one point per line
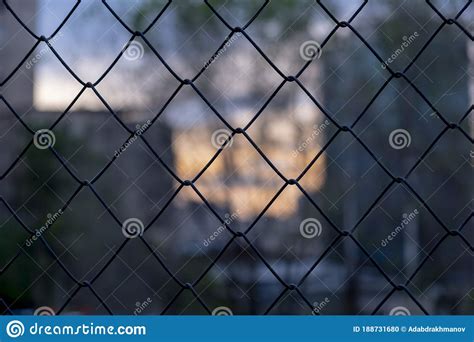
403 179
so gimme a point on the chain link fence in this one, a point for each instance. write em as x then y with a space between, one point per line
136 230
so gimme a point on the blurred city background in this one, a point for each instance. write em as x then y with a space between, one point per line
401 231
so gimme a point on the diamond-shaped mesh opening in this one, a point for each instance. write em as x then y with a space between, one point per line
404 224
227 81
443 270
236 157
438 189
138 268
236 278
